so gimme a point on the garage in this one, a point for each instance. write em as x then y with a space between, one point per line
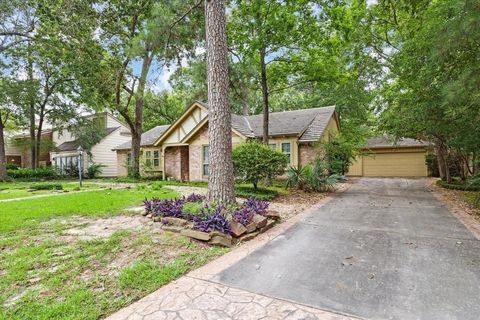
383 158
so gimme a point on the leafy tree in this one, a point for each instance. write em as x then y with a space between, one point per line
266 34
143 35
253 162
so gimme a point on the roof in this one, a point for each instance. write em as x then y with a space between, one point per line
308 124
148 138
74 144
388 142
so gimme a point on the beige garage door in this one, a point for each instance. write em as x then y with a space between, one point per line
398 164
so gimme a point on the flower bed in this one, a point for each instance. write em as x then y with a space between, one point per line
215 224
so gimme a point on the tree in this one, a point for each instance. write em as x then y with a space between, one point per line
432 89
253 162
220 180
264 33
141 35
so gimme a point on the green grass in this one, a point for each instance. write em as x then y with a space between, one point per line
11 190
62 280
92 203
46 273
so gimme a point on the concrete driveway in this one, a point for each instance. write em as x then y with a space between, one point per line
385 249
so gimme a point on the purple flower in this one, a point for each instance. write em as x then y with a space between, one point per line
213 222
194 198
243 215
256 206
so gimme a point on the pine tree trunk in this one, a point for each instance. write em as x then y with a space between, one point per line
440 158
3 164
220 180
264 85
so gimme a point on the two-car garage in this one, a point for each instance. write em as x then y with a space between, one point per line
381 158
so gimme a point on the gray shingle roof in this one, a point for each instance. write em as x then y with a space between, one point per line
309 124
387 142
148 138
73 145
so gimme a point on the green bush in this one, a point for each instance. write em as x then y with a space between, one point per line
259 193
338 154
11 166
26 174
46 186
313 177
465 186
253 161
94 170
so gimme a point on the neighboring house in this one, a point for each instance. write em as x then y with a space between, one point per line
17 149
151 161
65 154
382 157
180 151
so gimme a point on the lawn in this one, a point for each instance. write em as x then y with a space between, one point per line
27 189
14 214
46 273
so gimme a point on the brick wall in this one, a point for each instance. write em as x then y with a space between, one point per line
173 163
306 154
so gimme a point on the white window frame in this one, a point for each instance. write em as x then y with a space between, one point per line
205 160
289 150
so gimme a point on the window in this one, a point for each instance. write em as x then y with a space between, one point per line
152 158
156 158
205 160
65 164
148 158
273 146
129 159
286 149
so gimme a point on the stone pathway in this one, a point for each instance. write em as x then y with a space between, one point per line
49 195
194 299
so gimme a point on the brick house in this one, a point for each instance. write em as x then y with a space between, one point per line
180 150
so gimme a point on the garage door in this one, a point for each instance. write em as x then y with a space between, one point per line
396 164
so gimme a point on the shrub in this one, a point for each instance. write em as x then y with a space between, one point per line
46 186
313 177
465 186
259 193
338 154
94 170
11 166
26 174
253 161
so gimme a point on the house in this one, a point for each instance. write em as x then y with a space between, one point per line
65 154
180 151
17 149
384 157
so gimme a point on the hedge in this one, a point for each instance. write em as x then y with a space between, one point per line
457 186
40 173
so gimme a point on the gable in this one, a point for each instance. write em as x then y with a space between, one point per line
187 122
